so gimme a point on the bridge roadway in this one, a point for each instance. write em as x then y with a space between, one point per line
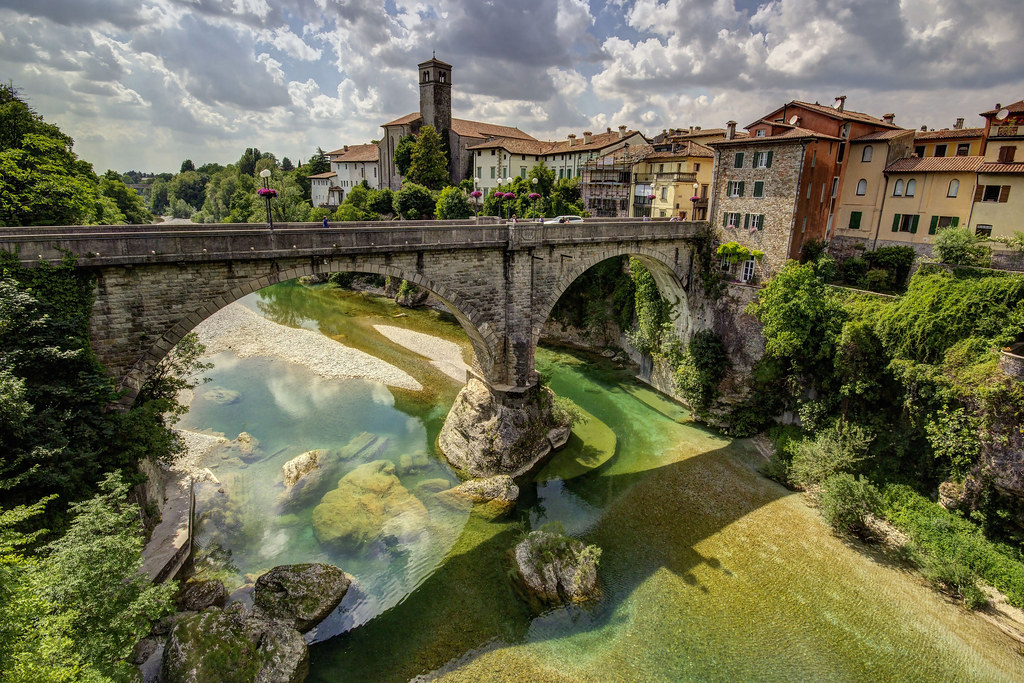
154 283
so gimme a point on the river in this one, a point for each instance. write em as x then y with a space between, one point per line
709 571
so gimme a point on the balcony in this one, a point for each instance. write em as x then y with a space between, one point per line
684 177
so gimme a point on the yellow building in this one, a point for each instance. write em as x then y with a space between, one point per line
674 178
950 142
998 208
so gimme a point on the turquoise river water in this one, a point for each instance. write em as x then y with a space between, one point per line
709 571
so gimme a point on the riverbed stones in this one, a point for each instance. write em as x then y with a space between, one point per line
492 497
551 569
489 432
233 645
369 503
301 465
301 595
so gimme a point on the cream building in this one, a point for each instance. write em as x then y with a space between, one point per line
674 177
998 207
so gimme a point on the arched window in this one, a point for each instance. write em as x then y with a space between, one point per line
954 187
865 156
897 189
911 186
862 187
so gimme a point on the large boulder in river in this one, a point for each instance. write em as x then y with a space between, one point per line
198 595
489 432
299 594
494 496
551 569
370 503
231 646
301 465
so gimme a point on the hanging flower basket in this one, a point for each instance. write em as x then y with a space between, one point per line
534 195
499 194
650 196
694 198
510 195
266 192
476 194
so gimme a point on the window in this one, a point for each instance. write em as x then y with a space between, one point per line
845 133
754 221
661 213
897 189
911 188
835 186
940 222
862 187
954 188
725 265
763 159
963 149
492 152
940 150
905 223
919 150
758 188
760 133
983 229
731 220
991 193
748 270
810 185
661 168
814 157
735 188
444 77
696 167
1006 154
492 172
738 160
479 171
664 193
865 156
855 220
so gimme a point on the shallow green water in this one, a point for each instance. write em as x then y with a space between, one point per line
709 571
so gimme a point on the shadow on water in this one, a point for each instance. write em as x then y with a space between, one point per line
650 521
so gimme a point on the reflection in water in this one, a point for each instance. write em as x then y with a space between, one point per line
709 571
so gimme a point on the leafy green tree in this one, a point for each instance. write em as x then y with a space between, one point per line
247 163
318 163
414 202
187 165
41 184
287 165
381 202
207 170
958 247
428 165
128 200
288 207
159 196
190 187
182 209
453 204
403 154
17 120
264 164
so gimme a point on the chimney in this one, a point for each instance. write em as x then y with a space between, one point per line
608 129
999 105
622 132
587 135
696 128
959 125
924 128
730 130
572 139
842 102
345 147
889 118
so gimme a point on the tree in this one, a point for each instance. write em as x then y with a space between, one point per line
128 200
287 165
247 164
318 163
958 247
414 202
403 154
187 165
452 204
428 165
190 187
264 163
159 196
381 202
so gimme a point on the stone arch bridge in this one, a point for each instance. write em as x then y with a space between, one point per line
155 283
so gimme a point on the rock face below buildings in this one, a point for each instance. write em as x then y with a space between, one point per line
301 595
487 433
369 503
552 569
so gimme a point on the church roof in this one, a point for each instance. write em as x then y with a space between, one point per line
469 129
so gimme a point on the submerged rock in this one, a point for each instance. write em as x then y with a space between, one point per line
222 396
552 569
301 465
301 595
363 444
496 496
232 645
435 485
369 503
198 595
488 433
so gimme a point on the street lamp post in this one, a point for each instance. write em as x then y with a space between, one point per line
695 198
508 210
267 194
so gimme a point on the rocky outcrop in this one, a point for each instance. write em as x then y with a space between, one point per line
488 432
411 296
198 595
496 496
233 645
551 569
300 595
369 503
301 465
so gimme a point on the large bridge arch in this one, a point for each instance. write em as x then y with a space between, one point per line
478 328
671 273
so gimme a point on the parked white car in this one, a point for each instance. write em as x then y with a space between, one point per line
564 219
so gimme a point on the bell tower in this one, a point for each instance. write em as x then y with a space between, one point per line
435 78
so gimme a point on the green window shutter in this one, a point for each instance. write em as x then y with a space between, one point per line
896 223
956 222
725 218
770 154
913 225
855 220
739 160
746 221
758 188
760 224
741 188
933 226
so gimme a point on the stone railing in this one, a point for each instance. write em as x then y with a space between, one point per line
1011 361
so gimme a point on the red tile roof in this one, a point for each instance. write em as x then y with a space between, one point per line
368 152
831 112
469 129
794 134
689 148
996 167
949 133
883 135
935 165
543 147
1014 108
329 174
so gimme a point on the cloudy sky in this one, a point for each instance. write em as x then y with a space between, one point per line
144 84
